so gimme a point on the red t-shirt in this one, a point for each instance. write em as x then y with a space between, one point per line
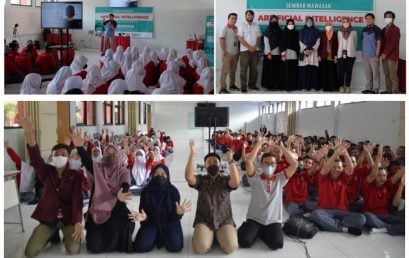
197 89
332 193
354 185
9 66
296 190
102 89
376 198
149 78
281 165
24 63
46 63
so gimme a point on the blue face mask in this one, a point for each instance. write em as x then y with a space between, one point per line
269 170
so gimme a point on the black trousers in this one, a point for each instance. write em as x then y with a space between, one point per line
270 78
271 234
328 75
345 66
289 75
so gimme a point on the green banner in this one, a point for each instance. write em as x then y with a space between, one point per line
332 5
209 40
136 22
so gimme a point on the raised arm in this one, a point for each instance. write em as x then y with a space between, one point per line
398 194
398 175
290 170
189 176
349 167
375 167
250 170
78 140
234 181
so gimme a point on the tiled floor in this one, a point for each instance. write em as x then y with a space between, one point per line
323 245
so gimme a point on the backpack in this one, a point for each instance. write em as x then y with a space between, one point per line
300 227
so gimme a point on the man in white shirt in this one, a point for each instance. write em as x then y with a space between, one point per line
249 36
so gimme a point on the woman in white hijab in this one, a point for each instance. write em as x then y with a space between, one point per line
153 56
145 56
174 67
196 56
73 82
110 70
109 55
77 66
119 54
56 85
163 55
189 56
205 85
31 84
135 54
139 172
168 84
173 54
126 63
134 79
93 80
117 86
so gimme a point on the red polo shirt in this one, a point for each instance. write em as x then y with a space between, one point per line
332 193
354 185
296 190
376 198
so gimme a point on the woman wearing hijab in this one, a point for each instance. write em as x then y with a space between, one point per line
73 82
140 173
168 84
270 78
111 72
160 213
145 55
93 83
134 79
201 64
347 41
289 49
108 226
119 54
205 85
109 55
172 56
153 56
308 63
135 54
327 56
31 84
188 56
118 86
174 67
163 55
126 64
56 85
79 65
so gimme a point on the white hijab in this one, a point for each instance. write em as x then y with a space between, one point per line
207 80
134 79
145 56
119 54
31 84
154 58
163 55
73 82
110 70
168 84
126 63
93 80
189 53
139 172
135 54
109 55
197 54
175 68
117 86
56 85
78 64
201 64
173 54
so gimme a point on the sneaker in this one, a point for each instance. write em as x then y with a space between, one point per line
244 90
367 91
234 87
386 92
224 91
254 88
378 231
355 231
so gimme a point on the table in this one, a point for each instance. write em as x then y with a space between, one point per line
124 41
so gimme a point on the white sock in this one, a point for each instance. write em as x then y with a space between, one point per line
378 230
345 229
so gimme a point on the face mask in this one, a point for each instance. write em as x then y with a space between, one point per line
75 164
109 159
346 25
269 170
159 180
388 20
97 159
328 28
274 22
290 27
59 161
213 170
139 158
309 24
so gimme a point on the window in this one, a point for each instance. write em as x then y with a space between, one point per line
108 107
323 103
21 2
13 110
144 113
281 107
85 113
120 113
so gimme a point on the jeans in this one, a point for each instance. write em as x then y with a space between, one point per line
334 220
392 223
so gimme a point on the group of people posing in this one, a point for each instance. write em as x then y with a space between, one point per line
119 72
309 59
339 185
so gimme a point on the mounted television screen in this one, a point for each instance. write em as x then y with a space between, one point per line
61 15
123 3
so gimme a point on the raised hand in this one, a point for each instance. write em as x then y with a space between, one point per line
6 144
27 125
184 207
77 138
192 146
384 163
229 154
124 197
324 149
137 216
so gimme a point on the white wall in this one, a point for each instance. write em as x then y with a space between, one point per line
174 21
314 121
223 8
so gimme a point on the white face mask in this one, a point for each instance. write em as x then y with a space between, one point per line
59 161
97 159
75 164
139 158
309 24
388 20
269 170
328 28
290 26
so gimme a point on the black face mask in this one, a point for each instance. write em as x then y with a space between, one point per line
213 170
159 180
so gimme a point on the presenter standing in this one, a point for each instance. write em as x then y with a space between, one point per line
109 32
